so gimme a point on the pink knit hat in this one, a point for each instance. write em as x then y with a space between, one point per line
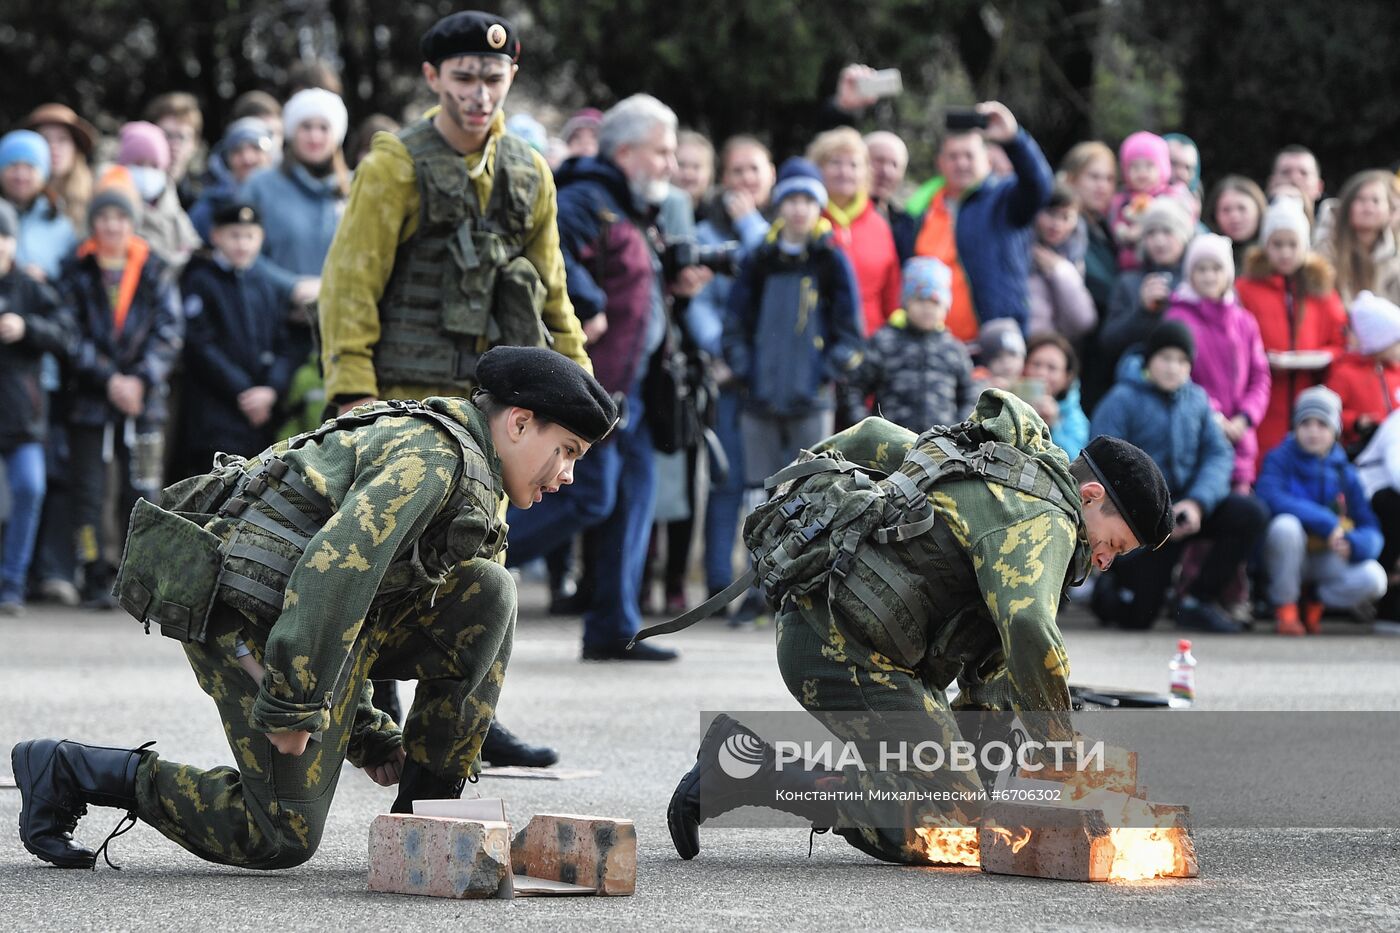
144 144
1145 145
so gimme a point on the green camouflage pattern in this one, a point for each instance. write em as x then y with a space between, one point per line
343 622
1012 551
268 811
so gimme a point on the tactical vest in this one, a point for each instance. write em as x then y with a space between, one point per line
236 534
461 283
877 551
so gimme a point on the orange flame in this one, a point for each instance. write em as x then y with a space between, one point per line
1139 854
951 845
1016 844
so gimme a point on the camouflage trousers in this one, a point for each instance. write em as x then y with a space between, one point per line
829 668
269 810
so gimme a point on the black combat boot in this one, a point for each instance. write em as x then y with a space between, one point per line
708 789
503 749
418 783
57 779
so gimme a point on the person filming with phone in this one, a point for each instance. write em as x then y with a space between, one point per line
981 225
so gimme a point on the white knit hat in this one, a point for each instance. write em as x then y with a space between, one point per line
316 102
1376 323
1286 214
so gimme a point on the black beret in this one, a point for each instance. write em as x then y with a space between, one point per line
550 384
236 212
1135 486
1171 334
469 32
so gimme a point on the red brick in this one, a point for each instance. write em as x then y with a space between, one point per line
587 850
438 857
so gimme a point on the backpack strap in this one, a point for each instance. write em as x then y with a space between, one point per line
703 611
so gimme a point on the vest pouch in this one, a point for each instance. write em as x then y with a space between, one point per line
169 572
469 281
517 303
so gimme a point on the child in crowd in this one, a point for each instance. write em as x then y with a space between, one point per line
1290 291
793 332
1146 165
1002 352
1053 366
1060 302
918 372
1368 380
1323 530
238 344
161 222
32 323
129 333
1157 407
1141 296
1230 362
793 327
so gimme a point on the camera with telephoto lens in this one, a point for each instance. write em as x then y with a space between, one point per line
721 258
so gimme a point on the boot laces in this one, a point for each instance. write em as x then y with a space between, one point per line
811 837
124 825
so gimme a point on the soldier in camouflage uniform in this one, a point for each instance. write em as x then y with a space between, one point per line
367 547
968 592
449 245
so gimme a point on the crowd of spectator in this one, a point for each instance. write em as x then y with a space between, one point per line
158 303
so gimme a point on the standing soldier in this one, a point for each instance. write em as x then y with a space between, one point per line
448 246
367 546
886 591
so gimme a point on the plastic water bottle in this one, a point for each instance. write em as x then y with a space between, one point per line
1183 675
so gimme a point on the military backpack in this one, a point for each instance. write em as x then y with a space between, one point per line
815 531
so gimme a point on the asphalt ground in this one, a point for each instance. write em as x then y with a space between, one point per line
69 673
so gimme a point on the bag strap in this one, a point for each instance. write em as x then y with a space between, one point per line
703 611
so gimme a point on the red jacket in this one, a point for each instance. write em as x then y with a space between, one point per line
1366 388
869 245
1302 314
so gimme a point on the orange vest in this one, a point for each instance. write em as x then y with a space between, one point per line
936 239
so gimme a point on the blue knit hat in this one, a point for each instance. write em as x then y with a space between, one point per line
928 278
25 146
799 176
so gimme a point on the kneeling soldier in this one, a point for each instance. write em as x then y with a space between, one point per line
365 548
897 564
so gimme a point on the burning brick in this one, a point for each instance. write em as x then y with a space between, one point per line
585 850
1077 844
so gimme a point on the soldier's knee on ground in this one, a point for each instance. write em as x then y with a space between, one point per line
290 854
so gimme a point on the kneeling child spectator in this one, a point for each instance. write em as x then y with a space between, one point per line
1323 530
1157 407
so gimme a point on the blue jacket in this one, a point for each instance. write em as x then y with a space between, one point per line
994 230
1318 491
704 316
236 337
1072 432
1177 430
46 238
299 215
794 326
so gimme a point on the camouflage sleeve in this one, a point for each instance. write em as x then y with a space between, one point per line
374 736
1021 570
402 475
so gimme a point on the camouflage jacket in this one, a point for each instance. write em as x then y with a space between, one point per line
918 378
996 575
388 482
